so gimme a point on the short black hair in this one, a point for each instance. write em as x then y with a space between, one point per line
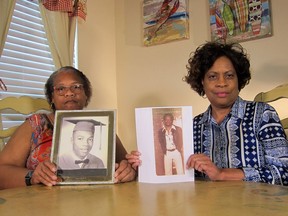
49 86
168 115
204 57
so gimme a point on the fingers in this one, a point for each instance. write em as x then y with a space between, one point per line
136 165
134 162
203 163
45 174
134 155
119 169
201 166
199 162
134 159
124 172
116 166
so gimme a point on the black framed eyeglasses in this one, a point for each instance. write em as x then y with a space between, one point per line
61 90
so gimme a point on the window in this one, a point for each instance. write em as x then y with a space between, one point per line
26 61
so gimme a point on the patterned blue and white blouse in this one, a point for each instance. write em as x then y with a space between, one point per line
250 137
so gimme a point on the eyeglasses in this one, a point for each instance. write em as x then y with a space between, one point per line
61 90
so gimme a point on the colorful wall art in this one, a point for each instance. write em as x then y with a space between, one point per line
165 21
239 20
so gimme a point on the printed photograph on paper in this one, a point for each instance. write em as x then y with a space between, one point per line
165 140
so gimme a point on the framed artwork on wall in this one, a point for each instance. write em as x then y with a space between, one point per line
165 21
239 20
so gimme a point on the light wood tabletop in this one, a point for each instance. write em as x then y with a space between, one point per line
201 198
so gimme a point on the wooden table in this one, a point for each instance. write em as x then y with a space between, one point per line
178 199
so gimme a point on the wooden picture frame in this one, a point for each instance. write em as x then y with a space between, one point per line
83 146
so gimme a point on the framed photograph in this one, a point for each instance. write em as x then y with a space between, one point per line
165 21
165 140
83 146
239 20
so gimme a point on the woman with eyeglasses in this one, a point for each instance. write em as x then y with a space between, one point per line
25 160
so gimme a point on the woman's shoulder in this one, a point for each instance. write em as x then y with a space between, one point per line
251 105
36 116
259 104
38 119
200 119
261 111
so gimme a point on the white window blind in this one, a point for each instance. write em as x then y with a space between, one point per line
26 61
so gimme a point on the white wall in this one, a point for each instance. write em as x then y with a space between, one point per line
111 51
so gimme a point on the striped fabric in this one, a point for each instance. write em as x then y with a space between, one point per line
241 9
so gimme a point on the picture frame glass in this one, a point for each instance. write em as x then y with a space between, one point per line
83 146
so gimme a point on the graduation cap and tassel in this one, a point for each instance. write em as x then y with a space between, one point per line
87 125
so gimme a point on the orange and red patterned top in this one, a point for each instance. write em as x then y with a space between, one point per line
41 140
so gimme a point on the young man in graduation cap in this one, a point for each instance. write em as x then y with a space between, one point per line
82 140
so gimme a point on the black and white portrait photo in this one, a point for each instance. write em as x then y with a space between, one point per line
81 147
84 146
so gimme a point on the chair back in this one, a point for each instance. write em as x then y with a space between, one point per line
273 95
13 109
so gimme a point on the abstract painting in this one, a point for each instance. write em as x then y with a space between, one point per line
239 20
165 21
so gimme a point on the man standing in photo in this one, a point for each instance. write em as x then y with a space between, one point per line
171 142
